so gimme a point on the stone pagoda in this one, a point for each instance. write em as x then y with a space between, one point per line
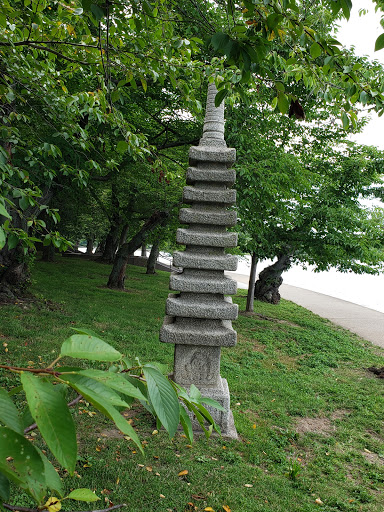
199 316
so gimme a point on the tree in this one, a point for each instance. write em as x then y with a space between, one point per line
330 227
65 67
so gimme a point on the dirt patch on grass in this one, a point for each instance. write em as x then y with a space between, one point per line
340 414
373 458
379 372
322 426
376 436
258 347
111 433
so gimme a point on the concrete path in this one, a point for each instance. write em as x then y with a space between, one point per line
367 323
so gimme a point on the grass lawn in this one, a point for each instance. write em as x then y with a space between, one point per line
308 413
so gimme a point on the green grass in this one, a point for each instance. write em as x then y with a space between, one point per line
309 415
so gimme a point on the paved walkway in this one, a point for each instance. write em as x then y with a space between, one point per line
367 323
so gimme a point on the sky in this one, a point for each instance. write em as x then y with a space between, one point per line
362 32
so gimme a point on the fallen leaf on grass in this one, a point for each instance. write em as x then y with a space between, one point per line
149 468
318 501
162 496
53 504
183 473
209 509
248 485
226 508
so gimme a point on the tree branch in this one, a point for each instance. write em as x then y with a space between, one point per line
38 47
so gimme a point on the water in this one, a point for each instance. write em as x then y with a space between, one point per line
365 290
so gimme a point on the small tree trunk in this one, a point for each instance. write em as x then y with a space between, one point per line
14 273
111 242
123 235
117 275
153 255
251 284
143 251
48 253
270 280
90 246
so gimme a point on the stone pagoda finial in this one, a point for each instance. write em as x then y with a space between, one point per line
199 316
213 131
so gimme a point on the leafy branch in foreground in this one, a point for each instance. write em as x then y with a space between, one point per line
109 391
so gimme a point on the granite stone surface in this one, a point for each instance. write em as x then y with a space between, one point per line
198 320
205 261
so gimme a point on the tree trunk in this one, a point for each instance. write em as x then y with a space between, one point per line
270 280
251 284
123 234
112 241
90 242
143 251
153 255
117 275
113 237
14 273
48 253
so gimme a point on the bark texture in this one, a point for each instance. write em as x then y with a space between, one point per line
270 280
14 273
251 284
153 255
117 275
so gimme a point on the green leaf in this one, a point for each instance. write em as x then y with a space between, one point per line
78 11
83 495
23 203
4 212
315 50
80 346
274 103
25 468
92 395
283 103
3 238
4 488
345 120
194 393
144 84
12 241
346 6
89 385
8 413
163 398
220 96
280 86
212 403
186 423
51 413
97 12
114 381
379 45
364 97
122 146
220 40
52 478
